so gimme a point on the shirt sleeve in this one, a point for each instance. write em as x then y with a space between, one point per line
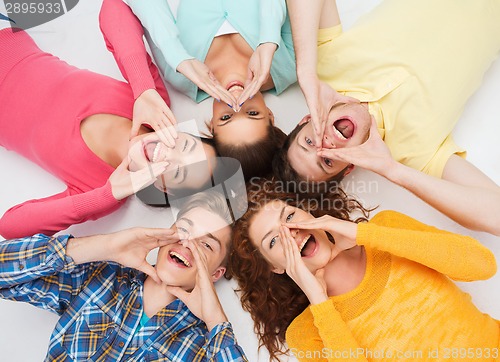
123 34
156 16
37 270
221 345
329 339
58 212
272 18
458 256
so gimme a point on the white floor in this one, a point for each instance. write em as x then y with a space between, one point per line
75 37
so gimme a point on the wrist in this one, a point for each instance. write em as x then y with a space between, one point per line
87 249
306 73
215 320
395 172
317 298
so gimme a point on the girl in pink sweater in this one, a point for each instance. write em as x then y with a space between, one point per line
76 124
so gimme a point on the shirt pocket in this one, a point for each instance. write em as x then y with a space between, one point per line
88 333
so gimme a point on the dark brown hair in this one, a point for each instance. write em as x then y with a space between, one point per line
274 300
282 169
255 158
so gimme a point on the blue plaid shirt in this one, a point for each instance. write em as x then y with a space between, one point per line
100 305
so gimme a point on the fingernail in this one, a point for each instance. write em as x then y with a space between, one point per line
250 97
217 99
230 106
242 104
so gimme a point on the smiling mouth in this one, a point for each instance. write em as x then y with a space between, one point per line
236 85
343 128
307 246
152 151
179 259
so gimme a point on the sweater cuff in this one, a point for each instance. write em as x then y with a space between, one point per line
139 76
364 234
95 201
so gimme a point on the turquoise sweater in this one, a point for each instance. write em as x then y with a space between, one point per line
173 40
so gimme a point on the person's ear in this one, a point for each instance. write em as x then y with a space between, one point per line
306 119
278 271
210 126
348 169
218 273
271 116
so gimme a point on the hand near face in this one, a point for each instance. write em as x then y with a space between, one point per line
151 109
320 98
130 247
343 232
202 301
373 155
125 183
313 285
198 73
259 67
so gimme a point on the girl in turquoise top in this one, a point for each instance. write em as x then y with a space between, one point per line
231 51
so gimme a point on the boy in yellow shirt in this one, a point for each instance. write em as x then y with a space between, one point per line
406 71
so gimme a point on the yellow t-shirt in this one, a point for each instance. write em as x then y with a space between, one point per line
405 308
416 62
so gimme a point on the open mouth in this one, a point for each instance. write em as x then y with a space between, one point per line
308 246
343 128
179 259
152 150
236 85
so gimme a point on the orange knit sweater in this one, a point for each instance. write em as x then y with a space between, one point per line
406 308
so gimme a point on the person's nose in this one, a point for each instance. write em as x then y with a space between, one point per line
327 142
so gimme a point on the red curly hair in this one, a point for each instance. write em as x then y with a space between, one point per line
274 300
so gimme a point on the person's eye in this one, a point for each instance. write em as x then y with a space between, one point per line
290 217
183 231
328 162
253 113
207 245
309 141
185 146
273 241
225 117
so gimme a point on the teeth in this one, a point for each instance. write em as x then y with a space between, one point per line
236 87
156 152
304 242
183 259
340 135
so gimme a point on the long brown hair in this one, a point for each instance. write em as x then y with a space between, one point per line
274 300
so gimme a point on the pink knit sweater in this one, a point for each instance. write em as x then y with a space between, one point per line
43 100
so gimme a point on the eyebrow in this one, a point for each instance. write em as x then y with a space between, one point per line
193 146
270 231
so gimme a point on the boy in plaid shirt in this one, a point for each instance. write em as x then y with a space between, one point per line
114 305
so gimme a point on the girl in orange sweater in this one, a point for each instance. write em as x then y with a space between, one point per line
345 291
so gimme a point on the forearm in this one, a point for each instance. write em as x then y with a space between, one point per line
329 334
25 260
474 207
458 256
222 346
272 17
89 249
123 34
57 212
156 16
305 19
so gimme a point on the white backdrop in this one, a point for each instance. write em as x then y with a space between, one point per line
75 37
